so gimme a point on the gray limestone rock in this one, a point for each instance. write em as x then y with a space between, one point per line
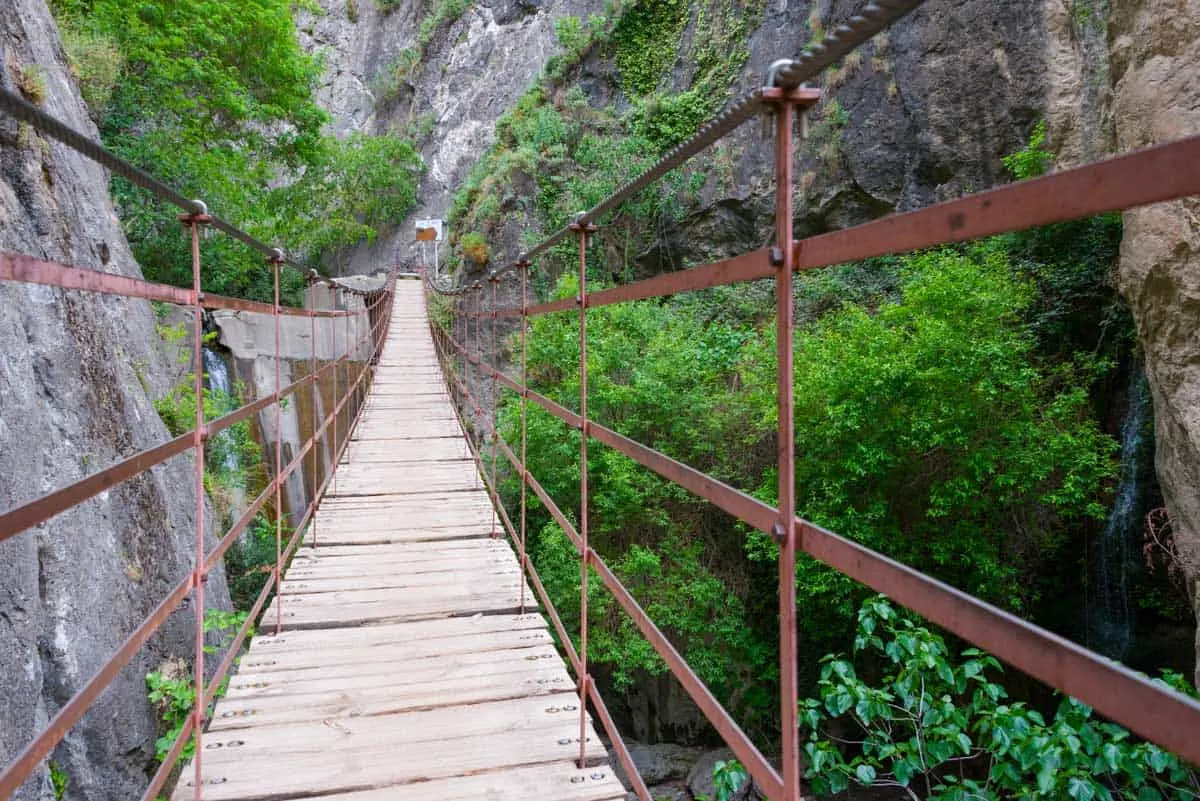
77 375
1155 50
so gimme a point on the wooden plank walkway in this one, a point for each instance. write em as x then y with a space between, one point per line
405 669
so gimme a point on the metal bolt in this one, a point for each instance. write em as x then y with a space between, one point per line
570 707
576 779
552 709
565 741
210 746
236 743
597 776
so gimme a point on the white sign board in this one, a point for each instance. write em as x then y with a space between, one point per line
425 225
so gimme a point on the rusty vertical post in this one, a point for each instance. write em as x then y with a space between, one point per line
276 259
524 268
785 527
351 412
332 469
583 229
495 281
316 403
473 407
193 222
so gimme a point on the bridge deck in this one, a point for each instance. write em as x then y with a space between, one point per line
405 669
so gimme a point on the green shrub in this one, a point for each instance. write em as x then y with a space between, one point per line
1033 159
96 60
943 729
474 247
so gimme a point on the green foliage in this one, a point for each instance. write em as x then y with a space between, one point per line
1033 159
228 124
58 780
926 429
576 40
355 188
174 698
31 81
391 82
474 247
944 729
96 60
444 13
249 562
728 778
644 43
569 32
228 623
667 120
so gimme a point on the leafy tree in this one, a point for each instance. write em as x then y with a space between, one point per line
229 124
926 430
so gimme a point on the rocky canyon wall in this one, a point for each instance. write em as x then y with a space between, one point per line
1155 49
77 376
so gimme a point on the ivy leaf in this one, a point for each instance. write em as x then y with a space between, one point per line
865 774
1079 789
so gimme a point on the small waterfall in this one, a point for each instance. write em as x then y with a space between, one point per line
218 381
1109 613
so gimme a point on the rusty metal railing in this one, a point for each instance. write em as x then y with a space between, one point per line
1162 173
351 365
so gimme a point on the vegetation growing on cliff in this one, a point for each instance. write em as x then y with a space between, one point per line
177 90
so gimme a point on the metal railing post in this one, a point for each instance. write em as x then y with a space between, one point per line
524 428
316 403
275 260
193 223
583 229
495 282
333 412
476 292
350 413
784 531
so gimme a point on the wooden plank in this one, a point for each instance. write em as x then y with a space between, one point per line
469 585
355 701
307 740
399 552
558 781
350 754
368 652
371 537
397 634
513 662
450 574
369 569
393 606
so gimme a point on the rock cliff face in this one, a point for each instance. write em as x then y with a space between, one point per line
472 71
77 373
1155 50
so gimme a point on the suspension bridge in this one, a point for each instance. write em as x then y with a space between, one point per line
405 645
409 650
